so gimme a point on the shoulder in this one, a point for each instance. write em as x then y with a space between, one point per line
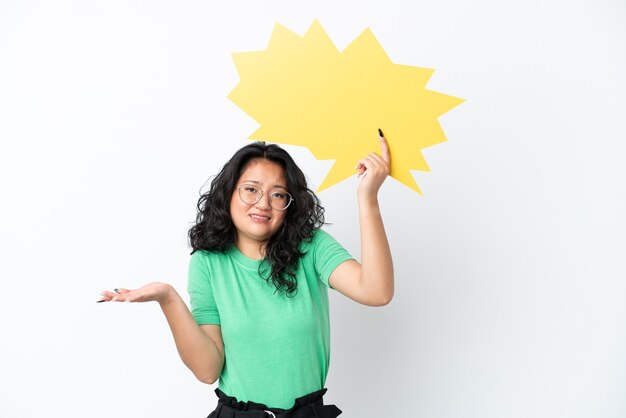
199 257
318 237
204 256
201 262
198 266
323 246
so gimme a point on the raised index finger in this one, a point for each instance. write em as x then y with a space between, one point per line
386 154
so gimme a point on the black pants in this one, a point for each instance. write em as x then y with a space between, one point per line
307 406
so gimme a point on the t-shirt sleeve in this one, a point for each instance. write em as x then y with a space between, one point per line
203 306
328 254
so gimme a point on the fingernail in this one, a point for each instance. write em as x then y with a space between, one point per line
100 301
116 290
380 132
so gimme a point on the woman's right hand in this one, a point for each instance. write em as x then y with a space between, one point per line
199 349
156 291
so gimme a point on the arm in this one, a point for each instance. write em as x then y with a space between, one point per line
371 281
200 347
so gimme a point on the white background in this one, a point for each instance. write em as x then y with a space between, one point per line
509 285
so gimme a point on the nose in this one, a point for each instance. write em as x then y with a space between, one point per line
264 202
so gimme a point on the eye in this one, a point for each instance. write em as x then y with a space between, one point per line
279 195
250 189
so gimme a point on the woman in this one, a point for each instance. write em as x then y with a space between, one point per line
258 283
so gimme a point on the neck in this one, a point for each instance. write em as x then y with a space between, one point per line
251 249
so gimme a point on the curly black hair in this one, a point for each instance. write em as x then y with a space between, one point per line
214 229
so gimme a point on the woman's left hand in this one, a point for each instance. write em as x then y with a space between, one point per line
374 169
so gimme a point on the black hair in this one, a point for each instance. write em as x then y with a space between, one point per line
214 229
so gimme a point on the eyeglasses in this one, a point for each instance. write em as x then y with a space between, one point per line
251 194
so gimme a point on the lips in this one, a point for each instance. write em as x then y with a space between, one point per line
259 217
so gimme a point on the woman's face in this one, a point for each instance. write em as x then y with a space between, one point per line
255 223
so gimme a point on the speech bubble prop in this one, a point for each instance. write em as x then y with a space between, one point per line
303 91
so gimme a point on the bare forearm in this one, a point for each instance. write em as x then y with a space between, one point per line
376 263
199 353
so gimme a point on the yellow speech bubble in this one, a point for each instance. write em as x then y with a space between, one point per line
303 91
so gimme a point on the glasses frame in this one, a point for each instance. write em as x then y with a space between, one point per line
291 199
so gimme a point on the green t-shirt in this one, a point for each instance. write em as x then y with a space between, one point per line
276 348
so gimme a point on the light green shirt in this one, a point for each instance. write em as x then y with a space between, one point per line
277 348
